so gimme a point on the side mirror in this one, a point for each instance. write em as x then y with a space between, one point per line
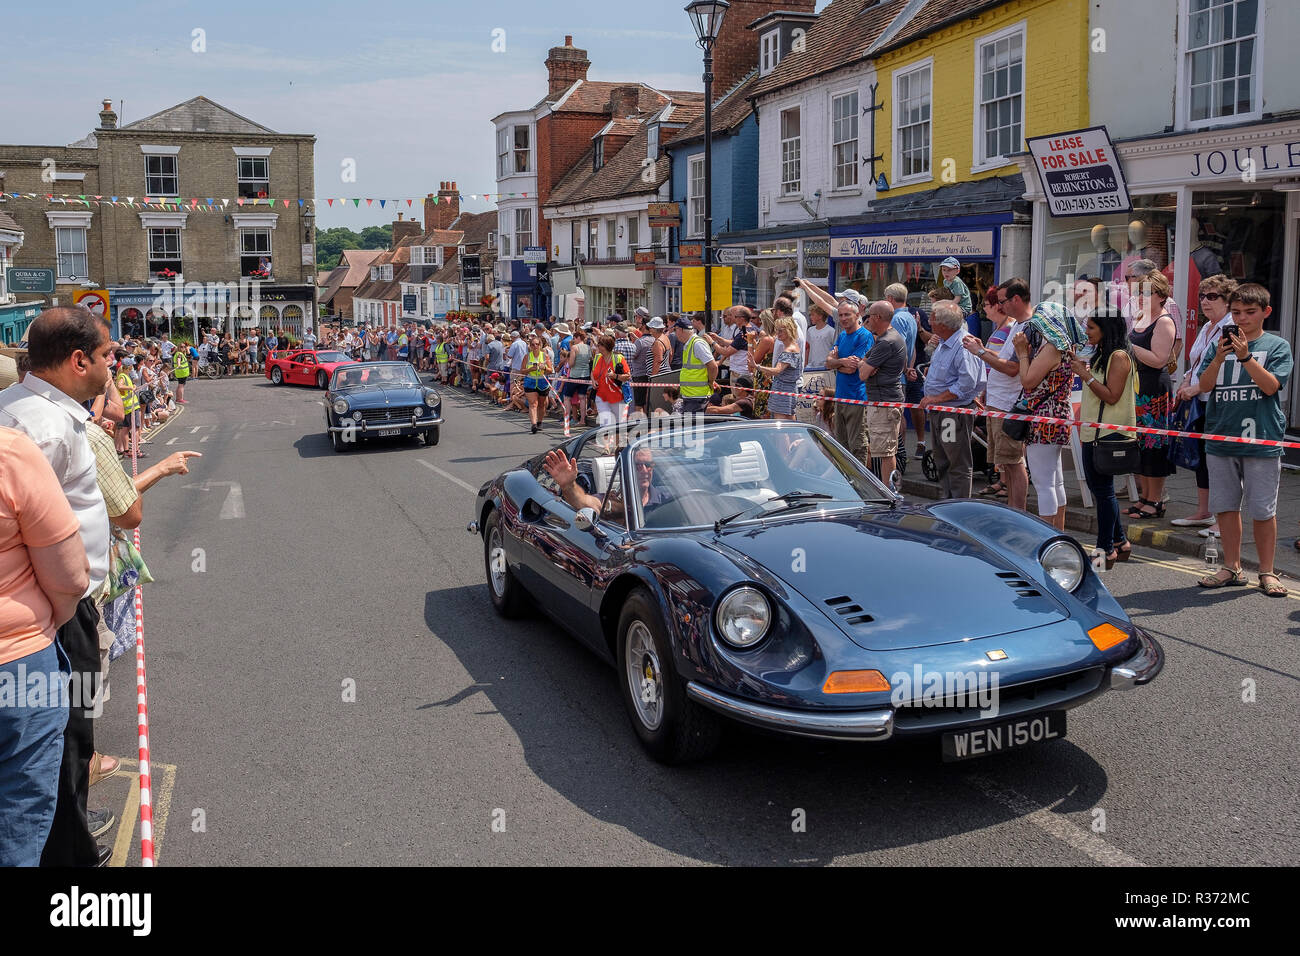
586 520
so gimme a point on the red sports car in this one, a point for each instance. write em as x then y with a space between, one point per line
304 366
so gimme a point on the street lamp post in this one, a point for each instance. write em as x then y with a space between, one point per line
706 16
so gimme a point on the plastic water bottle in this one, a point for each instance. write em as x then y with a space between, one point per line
1212 557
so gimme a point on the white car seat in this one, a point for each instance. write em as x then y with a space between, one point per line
745 473
602 469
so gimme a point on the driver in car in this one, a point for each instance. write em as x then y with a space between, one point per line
564 470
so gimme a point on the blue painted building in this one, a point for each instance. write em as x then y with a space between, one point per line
735 184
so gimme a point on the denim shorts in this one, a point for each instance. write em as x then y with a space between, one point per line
31 750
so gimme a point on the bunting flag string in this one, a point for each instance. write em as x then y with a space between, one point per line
213 203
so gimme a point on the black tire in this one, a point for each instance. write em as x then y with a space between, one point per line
322 380
431 435
336 440
509 599
277 376
685 730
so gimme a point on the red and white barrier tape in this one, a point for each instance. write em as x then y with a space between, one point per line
142 704
991 413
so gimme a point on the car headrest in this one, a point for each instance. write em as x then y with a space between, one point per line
748 465
602 469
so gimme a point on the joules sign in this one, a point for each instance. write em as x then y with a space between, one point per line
1245 160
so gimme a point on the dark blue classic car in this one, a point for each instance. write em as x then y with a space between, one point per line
756 571
380 400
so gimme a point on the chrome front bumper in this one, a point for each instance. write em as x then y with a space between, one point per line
1142 667
866 725
401 423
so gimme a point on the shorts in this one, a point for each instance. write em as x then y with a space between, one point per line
610 413
913 392
882 431
1003 449
536 384
1237 480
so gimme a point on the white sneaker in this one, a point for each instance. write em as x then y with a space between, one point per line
1192 522
1211 532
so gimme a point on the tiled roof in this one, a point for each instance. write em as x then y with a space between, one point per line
839 37
449 273
329 282
623 126
729 112
620 176
439 237
933 16
197 115
7 222
358 261
476 226
591 96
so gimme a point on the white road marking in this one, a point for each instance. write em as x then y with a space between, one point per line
204 438
171 441
450 477
1054 824
234 505
195 428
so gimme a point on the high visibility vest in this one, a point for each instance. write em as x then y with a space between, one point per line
130 401
694 378
440 352
535 364
181 364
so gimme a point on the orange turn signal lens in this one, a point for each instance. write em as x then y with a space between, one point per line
855 682
1106 636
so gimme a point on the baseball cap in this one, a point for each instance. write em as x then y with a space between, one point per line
683 323
950 263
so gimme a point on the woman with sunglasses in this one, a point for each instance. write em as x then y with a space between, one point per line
1215 314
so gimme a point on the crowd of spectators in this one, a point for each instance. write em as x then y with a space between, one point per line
67 571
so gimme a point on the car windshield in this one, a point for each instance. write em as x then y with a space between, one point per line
396 373
697 476
332 357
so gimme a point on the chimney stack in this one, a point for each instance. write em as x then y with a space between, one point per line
405 229
565 65
107 118
445 211
624 101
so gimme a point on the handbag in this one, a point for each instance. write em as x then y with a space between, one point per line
126 568
1115 453
1015 430
1185 452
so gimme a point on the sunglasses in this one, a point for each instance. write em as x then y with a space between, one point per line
1211 296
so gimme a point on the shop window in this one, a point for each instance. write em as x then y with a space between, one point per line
1240 233
1219 59
254 178
1000 61
871 278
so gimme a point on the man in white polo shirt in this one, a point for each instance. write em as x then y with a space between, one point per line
69 352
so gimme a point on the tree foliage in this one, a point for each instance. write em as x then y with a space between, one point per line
330 243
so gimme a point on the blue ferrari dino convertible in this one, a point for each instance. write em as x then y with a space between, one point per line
755 571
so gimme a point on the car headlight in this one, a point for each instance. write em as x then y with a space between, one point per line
340 406
431 399
1063 563
744 617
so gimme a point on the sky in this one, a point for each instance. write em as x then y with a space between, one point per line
405 89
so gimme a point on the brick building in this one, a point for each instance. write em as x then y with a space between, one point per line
234 245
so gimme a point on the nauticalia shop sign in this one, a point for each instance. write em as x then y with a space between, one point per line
923 245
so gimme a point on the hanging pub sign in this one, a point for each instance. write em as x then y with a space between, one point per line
664 215
471 269
690 254
1080 173
645 261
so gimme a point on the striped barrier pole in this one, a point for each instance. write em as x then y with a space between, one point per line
142 714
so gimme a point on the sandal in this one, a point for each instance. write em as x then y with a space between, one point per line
1135 511
994 490
102 766
1124 552
1275 589
1236 578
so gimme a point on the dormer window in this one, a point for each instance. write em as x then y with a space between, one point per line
652 143
374 273
386 272
598 158
769 52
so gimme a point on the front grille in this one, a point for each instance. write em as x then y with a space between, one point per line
386 416
1045 694
850 612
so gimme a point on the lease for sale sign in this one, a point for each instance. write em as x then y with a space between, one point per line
1080 172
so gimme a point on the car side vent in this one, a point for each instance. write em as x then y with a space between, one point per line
1018 584
847 609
